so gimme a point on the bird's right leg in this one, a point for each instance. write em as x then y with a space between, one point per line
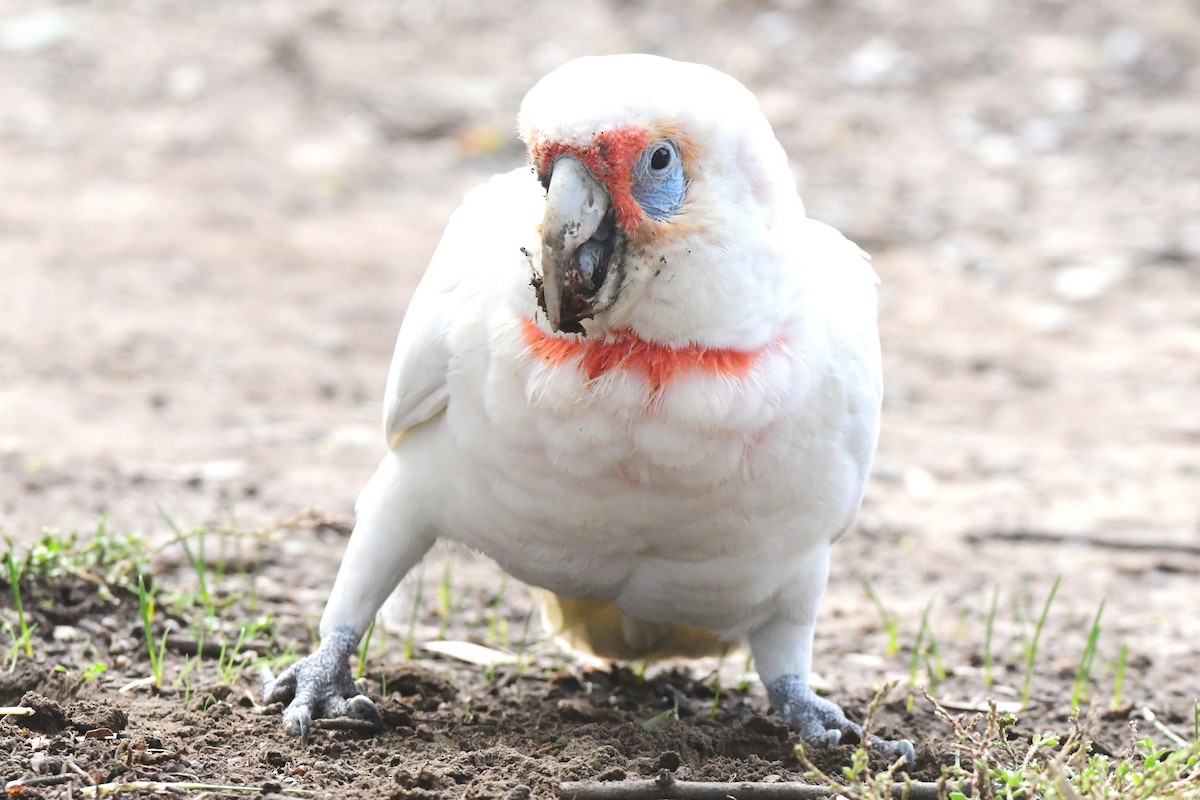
387 542
782 649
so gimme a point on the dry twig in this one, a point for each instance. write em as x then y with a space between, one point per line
665 787
1089 539
15 787
364 726
172 788
16 711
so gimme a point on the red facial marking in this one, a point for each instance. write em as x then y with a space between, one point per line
659 364
610 157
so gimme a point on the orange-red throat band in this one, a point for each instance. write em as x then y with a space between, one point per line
658 363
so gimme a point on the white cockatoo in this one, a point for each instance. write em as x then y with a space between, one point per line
635 375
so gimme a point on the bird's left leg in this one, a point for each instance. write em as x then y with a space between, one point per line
782 649
388 540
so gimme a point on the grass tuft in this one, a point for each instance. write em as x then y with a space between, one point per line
497 624
24 641
1083 675
364 648
445 597
886 617
146 611
989 628
410 635
1119 677
1031 647
195 558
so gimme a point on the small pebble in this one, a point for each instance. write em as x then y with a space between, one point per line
66 633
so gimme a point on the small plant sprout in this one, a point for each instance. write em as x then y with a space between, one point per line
228 667
660 721
410 635
225 535
716 679
1083 675
925 651
364 648
184 681
14 581
933 656
146 611
1119 677
747 673
523 652
918 650
445 598
251 573
195 558
887 617
1031 648
497 627
14 646
989 628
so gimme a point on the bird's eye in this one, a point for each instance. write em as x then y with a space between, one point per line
658 180
661 159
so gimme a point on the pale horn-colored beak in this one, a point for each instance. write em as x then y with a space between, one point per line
578 238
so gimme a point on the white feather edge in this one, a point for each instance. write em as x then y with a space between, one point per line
480 236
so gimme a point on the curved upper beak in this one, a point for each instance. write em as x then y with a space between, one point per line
579 236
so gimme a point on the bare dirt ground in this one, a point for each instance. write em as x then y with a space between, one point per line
212 217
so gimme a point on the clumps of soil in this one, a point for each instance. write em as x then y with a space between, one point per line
47 717
82 716
451 730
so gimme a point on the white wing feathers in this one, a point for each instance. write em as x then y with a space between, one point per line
483 236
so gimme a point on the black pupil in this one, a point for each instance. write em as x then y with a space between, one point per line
661 158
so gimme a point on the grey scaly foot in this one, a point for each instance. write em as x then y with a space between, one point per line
321 685
821 722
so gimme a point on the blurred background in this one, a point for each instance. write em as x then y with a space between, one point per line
212 215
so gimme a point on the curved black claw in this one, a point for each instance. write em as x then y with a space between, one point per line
320 685
822 722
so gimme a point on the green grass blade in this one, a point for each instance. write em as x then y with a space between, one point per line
14 580
1083 674
1119 677
445 598
364 647
157 655
415 614
988 631
886 617
196 560
1031 650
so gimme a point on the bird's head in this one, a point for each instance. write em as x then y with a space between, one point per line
663 180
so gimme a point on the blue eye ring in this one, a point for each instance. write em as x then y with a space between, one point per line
658 180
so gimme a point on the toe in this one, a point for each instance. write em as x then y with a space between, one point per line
319 686
276 692
822 723
894 750
361 707
297 720
821 738
281 689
